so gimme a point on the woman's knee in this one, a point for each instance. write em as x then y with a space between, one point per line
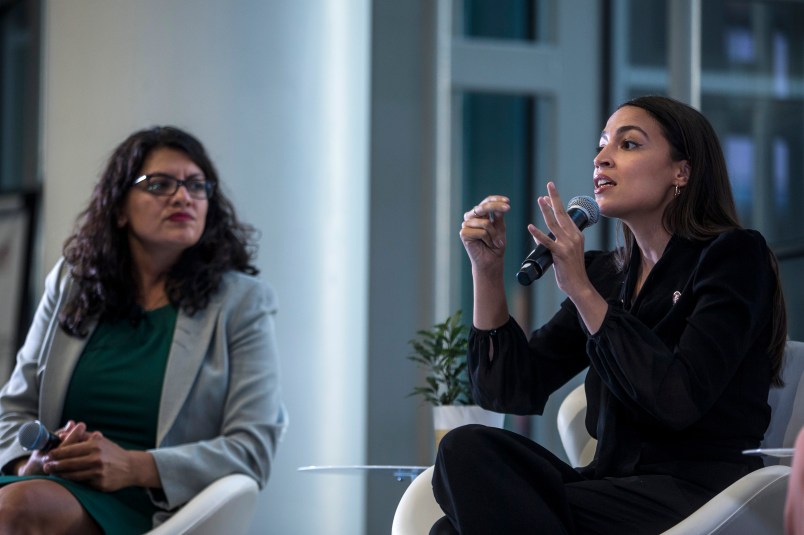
466 437
20 503
41 506
466 446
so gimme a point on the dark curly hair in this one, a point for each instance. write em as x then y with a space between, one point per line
98 252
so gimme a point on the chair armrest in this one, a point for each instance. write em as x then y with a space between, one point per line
571 419
752 504
417 510
225 506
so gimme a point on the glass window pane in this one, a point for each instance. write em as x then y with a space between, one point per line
791 270
754 38
520 20
497 157
760 138
647 33
18 96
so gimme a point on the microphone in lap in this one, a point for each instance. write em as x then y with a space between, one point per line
35 436
584 212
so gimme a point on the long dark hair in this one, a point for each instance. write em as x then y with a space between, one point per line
98 251
705 207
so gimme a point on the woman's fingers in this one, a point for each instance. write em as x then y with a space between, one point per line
553 212
63 431
540 237
484 223
73 434
482 230
555 199
489 208
73 452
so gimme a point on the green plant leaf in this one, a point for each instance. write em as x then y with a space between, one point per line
441 352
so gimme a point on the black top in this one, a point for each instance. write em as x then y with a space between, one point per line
678 380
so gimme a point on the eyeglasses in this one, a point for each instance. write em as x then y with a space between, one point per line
167 185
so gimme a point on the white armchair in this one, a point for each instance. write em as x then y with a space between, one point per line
754 504
225 506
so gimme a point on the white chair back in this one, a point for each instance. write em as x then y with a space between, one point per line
787 402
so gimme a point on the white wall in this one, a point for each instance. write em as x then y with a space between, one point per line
277 91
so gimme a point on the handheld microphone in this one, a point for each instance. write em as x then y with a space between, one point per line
584 212
35 436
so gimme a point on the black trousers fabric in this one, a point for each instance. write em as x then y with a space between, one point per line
492 481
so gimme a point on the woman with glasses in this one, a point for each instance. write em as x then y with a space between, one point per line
151 355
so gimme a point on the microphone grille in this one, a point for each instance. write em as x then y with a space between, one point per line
588 205
32 435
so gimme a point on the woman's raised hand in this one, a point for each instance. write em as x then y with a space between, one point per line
568 259
483 237
483 232
567 249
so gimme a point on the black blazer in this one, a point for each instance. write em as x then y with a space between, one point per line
678 379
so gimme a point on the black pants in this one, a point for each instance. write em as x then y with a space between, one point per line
493 481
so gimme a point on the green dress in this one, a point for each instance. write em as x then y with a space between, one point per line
115 389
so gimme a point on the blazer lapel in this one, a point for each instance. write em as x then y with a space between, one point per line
187 352
64 353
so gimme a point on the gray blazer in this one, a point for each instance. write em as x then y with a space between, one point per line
220 411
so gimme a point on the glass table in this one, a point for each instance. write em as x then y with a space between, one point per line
771 452
399 472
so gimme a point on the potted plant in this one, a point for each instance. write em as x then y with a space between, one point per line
441 352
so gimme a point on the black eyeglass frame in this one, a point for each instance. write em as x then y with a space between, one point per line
209 187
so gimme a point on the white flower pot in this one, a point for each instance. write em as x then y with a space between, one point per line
448 417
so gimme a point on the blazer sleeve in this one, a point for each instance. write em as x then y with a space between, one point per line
241 436
511 373
19 398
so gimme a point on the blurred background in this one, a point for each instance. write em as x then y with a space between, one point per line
354 134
